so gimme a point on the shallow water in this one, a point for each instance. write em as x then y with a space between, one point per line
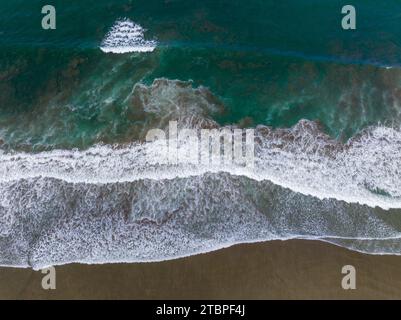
78 183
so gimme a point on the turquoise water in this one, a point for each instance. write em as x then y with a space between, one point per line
269 63
328 170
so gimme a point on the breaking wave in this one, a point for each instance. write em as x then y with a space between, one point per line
126 36
365 170
127 203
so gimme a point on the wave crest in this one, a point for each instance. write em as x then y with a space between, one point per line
127 203
126 36
365 170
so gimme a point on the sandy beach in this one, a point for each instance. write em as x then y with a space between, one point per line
273 270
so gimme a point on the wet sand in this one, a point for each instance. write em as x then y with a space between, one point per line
273 270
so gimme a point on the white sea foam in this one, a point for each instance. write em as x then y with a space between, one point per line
126 36
54 222
126 203
365 170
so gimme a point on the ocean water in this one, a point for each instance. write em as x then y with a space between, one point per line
79 183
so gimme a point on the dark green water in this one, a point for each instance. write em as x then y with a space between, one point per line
269 62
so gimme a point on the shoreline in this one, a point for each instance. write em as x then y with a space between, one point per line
293 269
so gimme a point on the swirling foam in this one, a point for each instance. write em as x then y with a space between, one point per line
126 203
303 159
51 222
